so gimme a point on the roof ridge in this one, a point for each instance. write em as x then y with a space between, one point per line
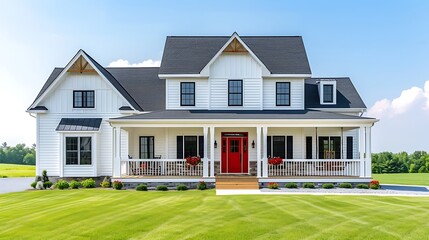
244 36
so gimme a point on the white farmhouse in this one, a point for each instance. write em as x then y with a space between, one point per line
247 106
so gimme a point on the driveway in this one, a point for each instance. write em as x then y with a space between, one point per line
8 185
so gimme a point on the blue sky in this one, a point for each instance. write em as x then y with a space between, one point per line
382 45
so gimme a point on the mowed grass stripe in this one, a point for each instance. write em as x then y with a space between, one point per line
109 214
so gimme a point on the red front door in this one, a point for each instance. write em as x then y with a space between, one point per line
234 153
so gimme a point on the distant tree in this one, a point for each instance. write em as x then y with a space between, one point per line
29 159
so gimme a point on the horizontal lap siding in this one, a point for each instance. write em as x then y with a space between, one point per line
60 105
134 140
296 94
235 66
201 93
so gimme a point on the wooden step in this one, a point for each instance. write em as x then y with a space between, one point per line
237 182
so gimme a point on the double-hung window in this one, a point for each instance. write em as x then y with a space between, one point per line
235 93
328 93
78 151
187 94
147 147
84 99
283 93
190 146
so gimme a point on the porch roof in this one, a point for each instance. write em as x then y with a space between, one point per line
241 114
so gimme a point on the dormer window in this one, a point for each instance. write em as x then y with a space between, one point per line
328 92
83 99
187 94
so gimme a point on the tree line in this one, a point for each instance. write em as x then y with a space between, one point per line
387 162
19 154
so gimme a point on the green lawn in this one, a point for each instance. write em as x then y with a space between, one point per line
110 214
403 178
16 170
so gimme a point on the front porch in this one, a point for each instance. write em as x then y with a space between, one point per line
327 153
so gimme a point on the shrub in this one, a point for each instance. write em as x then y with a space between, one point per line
47 184
33 184
181 187
201 185
105 184
291 185
345 185
141 187
327 185
45 177
62 184
374 184
75 184
117 185
88 183
273 185
161 188
308 185
38 178
362 186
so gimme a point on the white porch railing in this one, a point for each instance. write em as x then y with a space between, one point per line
159 167
316 168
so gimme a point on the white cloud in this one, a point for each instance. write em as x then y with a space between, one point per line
403 124
125 63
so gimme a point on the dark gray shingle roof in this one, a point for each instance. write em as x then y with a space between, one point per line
240 114
347 95
79 124
39 108
189 55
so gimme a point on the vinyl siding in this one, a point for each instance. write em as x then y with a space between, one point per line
173 93
296 94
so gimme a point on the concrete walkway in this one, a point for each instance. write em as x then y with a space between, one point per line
386 190
8 185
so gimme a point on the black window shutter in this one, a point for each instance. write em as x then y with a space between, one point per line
179 148
308 147
269 154
349 147
289 151
201 146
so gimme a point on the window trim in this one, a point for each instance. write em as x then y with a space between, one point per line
332 93
83 101
181 94
277 94
140 147
79 151
241 93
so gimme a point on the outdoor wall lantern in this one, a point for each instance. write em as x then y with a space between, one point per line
253 144
215 144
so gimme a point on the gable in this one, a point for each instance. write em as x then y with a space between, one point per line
83 63
189 55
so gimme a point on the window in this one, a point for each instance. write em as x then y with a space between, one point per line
328 93
78 151
282 94
330 147
187 94
235 93
147 147
280 146
189 146
83 99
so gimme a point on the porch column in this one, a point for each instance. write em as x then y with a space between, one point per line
117 152
258 152
205 159
368 152
362 151
212 139
264 152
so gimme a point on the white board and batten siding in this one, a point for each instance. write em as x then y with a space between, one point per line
60 105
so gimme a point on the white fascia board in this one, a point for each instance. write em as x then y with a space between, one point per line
36 111
336 110
165 76
205 71
289 76
66 68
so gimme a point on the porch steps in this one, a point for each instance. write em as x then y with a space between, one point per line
236 182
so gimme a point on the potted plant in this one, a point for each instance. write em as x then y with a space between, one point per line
275 161
193 161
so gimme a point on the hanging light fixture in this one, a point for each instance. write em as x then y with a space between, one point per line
215 144
253 144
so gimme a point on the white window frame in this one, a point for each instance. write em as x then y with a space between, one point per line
93 149
334 91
